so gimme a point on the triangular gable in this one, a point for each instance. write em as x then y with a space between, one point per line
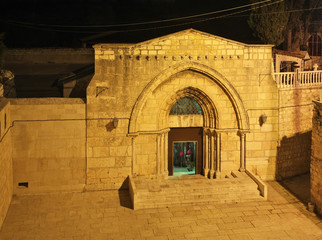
186 35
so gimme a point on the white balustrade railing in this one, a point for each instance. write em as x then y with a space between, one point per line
298 79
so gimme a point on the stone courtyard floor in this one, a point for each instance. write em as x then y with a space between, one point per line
107 215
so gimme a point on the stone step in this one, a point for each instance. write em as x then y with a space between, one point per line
150 193
230 191
215 187
160 204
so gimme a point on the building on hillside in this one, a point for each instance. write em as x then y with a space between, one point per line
286 61
55 72
187 103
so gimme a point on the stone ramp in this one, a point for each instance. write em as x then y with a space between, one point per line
192 189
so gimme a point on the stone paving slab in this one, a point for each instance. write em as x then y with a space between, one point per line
107 215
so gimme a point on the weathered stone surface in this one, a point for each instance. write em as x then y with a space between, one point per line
141 82
49 145
316 158
6 187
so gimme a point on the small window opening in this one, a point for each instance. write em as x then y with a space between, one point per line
23 184
186 106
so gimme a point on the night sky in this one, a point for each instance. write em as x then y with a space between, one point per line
60 23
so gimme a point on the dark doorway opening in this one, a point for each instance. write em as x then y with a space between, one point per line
185 151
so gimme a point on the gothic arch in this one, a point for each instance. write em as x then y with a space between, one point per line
208 108
216 77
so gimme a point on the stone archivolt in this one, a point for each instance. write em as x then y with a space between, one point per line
201 98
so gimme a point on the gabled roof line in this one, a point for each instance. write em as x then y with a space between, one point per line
190 30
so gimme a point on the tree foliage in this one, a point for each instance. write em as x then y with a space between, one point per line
269 22
297 29
2 49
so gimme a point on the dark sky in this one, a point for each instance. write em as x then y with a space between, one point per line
58 23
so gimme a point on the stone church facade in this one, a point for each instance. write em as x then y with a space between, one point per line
126 126
137 85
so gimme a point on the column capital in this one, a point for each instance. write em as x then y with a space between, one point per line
242 132
132 135
207 130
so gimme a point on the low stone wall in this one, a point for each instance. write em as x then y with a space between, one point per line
316 158
49 139
5 159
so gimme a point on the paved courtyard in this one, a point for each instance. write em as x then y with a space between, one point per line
107 215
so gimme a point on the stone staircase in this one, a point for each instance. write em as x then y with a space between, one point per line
193 189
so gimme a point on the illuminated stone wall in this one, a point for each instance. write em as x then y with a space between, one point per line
6 187
295 130
49 145
316 159
139 83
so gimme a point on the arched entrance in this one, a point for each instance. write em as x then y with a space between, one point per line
185 137
223 116
192 147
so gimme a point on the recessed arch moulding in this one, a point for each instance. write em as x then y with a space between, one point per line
224 118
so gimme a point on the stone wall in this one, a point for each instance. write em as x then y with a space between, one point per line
6 187
49 139
295 127
316 158
139 83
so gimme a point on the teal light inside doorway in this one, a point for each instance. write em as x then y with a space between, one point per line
184 158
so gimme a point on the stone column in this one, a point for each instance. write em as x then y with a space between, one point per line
218 154
242 135
159 159
162 156
133 136
166 171
206 153
212 154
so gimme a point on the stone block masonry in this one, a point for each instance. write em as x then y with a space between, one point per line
6 187
49 145
295 129
316 158
122 129
139 83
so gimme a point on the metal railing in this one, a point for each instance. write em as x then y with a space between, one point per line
298 79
